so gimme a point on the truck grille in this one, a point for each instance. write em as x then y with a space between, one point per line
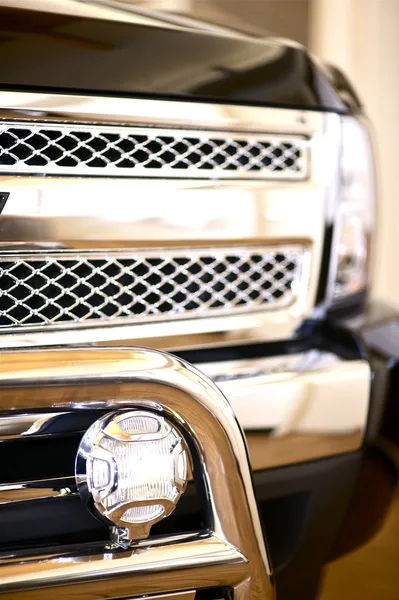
64 287
77 149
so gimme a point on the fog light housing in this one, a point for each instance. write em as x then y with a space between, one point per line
131 470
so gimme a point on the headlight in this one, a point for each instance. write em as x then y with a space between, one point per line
356 210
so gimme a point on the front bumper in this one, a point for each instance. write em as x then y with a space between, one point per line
296 407
309 407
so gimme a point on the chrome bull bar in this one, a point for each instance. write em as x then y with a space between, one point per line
230 553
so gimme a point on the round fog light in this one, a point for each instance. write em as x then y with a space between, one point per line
131 469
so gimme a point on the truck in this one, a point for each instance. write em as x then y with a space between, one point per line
196 387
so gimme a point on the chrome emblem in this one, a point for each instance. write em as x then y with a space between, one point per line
131 469
3 200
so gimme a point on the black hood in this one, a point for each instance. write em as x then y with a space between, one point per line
59 52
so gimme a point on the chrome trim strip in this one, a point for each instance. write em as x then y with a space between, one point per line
94 213
17 425
69 552
229 554
168 335
189 595
59 487
177 565
192 115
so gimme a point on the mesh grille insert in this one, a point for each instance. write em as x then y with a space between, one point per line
77 288
58 148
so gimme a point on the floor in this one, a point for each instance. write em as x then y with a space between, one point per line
370 573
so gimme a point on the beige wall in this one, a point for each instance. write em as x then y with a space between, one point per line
362 36
286 18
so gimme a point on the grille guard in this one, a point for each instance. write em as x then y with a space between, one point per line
230 553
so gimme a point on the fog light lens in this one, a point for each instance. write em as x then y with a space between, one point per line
131 470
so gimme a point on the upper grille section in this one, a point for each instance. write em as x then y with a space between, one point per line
69 287
86 149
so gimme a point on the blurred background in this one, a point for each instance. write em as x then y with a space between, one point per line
362 38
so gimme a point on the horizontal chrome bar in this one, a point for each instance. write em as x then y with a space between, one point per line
132 572
16 425
188 595
201 115
58 487
84 213
168 335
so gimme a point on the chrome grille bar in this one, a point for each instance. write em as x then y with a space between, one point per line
94 149
57 487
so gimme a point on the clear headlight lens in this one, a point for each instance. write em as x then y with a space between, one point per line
356 211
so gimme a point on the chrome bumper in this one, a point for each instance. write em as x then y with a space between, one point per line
296 407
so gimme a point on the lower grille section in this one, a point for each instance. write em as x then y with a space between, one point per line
88 287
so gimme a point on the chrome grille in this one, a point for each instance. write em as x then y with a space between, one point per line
69 287
57 148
